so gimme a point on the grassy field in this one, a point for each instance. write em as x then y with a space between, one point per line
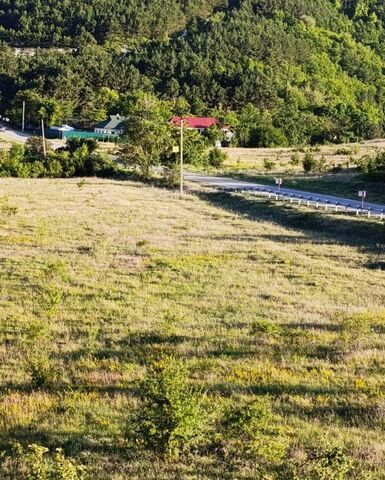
253 159
259 301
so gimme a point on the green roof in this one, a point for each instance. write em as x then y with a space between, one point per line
115 122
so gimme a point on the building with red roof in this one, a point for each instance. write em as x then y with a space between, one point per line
196 123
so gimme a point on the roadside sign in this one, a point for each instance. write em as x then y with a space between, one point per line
278 181
362 194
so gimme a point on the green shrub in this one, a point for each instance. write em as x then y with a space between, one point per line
309 162
354 329
264 327
35 463
170 418
343 151
295 159
372 165
268 164
250 430
323 463
217 157
42 372
77 159
5 207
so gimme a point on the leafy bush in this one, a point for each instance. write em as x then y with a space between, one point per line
309 162
170 418
264 327
323 463
268 164
295 159
217 157
42 372
372 165
354 328
35 463
77 159
249 430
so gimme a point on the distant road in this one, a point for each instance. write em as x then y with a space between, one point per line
231 184
12 135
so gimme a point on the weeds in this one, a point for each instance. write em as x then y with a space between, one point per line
43 373
35 463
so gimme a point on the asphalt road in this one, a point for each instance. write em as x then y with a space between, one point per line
231 184
11 135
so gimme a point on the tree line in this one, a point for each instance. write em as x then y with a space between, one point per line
279 72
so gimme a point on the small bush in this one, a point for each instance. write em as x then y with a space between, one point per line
343 151
217 157
354 329
42 372
170 419
268 164
295 159
77 159
249 430
323 463
35 463
264 327
372 166
5 207
309 162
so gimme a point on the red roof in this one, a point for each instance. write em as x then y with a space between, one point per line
196 122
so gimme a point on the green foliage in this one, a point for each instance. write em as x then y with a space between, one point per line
268 164
279 73
249 430
170 419
262 327
295 159
148 138
324 463
35 463
195 148
309 162
217 157
355 328
373 165
77 159
41 370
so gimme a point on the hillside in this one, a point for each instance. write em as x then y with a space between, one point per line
278 317
281 72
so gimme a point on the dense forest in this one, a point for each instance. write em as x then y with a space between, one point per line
280 72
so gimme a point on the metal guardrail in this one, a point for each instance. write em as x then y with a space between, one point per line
309 201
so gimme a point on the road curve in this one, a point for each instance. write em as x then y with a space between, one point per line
231 184
12 135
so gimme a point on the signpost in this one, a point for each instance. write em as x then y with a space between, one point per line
279 182
181 157
23 118
362 194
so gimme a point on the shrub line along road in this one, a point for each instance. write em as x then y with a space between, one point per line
229 184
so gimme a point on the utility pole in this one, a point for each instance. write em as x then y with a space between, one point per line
43 137
181 157
23 119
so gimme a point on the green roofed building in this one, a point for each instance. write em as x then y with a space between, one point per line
114 126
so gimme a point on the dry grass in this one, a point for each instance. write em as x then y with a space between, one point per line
252 159
105 276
